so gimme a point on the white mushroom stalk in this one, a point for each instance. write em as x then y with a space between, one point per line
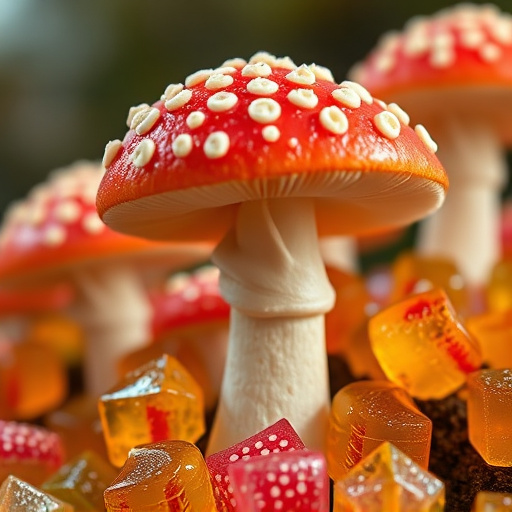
273 277
473 156
114 311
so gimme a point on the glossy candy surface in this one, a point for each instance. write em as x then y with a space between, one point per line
81 482
493 331
492 502
33 380
499 286
489 421
158 401
388 480
421 345
365 414
294 481
168 476
279 437
19 496
28 452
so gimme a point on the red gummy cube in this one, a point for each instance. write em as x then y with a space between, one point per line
279 437
293 481
29 452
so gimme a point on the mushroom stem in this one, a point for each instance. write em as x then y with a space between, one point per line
466 227
114 311
273 277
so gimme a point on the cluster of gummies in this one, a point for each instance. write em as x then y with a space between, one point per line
425 344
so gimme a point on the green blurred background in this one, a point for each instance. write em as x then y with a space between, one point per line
70 70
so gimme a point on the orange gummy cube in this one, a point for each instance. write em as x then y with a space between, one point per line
367 413
493 331
158 401
169 476
489 415
486 501
414 273
421 345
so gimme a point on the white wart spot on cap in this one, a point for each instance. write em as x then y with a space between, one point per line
425 137
134 111
361 91
347 97
92 224
111 150
334 120
321 72
216 145
258 69
237 63
271 133
198 77
195 119
222 101
178 101
144 120
182 145
67 212
262 86
402 115
304 98
387 124
171 91
143 153
490 52
302 76
218 81
264 110
54 236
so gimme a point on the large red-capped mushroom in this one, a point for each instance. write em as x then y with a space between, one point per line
55 235
453 71
264 157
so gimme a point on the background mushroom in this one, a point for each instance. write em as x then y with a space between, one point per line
56 235
451 71
256 156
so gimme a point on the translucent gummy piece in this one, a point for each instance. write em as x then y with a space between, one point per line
421 345
294 481
19 496
81 482
499 286
492 502
169 476
388 480
160 400
365 414
490 416
493 331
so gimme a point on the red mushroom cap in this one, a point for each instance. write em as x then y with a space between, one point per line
189 300
57 228
461 56
266 129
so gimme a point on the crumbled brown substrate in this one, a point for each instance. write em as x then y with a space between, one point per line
455 461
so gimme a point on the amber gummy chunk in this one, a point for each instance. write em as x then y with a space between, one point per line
348 311
492 502
499 286
81 482
365 414
490 415
19 496
413 273
388 480
422 346
493 331
78 425
33 380
28 452
166 476
158 401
